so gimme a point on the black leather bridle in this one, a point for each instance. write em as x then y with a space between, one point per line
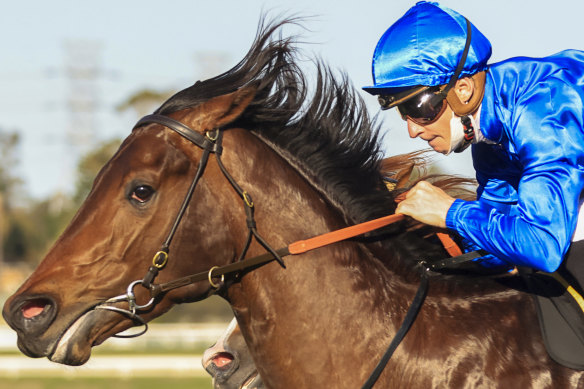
210 143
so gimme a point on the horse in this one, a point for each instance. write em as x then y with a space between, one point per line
242 164
229 362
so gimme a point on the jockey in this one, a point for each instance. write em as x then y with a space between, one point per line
524 118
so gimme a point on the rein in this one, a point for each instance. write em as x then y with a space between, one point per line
298 247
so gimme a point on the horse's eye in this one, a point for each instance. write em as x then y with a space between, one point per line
142 193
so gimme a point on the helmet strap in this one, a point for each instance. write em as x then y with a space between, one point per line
462 133
444 92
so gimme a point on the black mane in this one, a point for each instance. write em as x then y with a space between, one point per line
330 139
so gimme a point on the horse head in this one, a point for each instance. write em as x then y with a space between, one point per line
229 362
58 312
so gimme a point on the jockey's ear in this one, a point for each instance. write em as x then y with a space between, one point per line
464 89
221 110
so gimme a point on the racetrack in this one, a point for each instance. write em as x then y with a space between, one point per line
165 350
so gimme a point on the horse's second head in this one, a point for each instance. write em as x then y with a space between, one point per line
112 239
229 362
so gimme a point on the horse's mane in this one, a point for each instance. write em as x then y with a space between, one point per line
327 136
330 139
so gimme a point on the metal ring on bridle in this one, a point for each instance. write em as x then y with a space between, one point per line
160 264
212 138
210 277
132 297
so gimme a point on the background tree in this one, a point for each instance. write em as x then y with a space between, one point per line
9 185
9 181
90 165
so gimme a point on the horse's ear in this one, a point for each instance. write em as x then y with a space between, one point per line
222 110
403 176
399 168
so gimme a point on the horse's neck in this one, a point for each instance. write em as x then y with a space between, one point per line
326 319
300 307
288 208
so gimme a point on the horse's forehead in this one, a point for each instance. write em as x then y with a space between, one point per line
147 148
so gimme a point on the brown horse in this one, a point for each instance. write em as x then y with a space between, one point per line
312 166
229 361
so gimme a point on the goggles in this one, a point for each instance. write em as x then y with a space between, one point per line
424 108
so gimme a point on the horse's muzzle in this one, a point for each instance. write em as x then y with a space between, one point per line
30 317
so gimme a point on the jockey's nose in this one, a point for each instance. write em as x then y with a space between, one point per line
414 129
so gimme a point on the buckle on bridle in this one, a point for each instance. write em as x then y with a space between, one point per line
130 298
213 137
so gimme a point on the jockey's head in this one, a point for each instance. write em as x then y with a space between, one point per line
419 60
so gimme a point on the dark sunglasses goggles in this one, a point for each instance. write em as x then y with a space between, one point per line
424 108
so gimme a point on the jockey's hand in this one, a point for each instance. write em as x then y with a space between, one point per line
427 204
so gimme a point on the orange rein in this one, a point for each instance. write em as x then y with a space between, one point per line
298 247
303 246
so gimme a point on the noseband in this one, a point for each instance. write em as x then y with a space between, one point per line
210 143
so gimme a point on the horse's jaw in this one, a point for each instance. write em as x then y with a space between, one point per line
73 347
90 329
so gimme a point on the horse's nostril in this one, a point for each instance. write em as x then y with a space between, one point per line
222 360
33 308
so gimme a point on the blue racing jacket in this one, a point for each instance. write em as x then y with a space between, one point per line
531 169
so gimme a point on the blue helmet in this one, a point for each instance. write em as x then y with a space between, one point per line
424 47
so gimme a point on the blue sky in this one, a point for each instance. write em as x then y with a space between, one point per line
154 44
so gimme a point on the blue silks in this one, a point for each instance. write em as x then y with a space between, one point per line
531 178
532 174
423 48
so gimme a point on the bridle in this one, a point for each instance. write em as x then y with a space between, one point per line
210 143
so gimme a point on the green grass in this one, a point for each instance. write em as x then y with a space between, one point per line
106 383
